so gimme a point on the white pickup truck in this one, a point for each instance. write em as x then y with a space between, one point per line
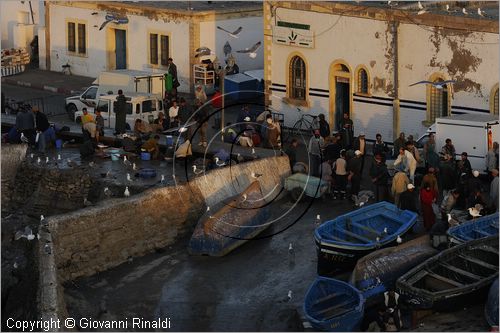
139 106
130 81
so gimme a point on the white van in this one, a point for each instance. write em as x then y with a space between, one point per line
470 133
139 106
127 80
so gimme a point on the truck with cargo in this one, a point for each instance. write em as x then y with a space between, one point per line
129 81
470 133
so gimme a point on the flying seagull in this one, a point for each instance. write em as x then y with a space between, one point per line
203 51
251 51
233 34
114 19
438 84
227 49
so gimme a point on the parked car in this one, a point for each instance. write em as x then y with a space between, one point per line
139 106
129 81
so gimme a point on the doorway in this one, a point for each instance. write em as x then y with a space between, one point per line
121 49
340 93
342 100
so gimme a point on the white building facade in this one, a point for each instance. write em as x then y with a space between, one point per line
149 37
19 22
333 58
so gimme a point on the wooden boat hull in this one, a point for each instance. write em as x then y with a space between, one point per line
482 227
238 221
491 308
453 278
333 305
342 241
377 272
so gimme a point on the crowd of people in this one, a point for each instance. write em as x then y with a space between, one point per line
432 182
32 127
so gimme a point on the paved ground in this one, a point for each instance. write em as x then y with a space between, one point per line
243 291
55 82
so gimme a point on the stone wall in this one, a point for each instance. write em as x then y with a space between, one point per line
103 236
47 190
12 156
51 304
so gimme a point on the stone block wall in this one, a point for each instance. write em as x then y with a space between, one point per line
47 190
12 157
103 236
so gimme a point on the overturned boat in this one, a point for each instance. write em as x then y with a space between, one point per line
333 305
342 241
452 278
482 227
377 272
240 219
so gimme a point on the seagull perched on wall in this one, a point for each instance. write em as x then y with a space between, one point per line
480 12
399 240
452 221
318 220
464 11
256 175
134 167
197 171
126 161
421 9
437 84
112 18
127 192
218 162
251 51
43 221
243 197
107 192
39 160
233 34
448 9
203 51
28 234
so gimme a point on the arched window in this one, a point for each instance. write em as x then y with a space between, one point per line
297 78
362 81
438 101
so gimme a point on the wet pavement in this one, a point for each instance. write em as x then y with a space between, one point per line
243 291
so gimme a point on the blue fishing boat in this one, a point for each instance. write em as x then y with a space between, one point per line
456 277
377 272
491 308
342 241
484 226
333 305
240 219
